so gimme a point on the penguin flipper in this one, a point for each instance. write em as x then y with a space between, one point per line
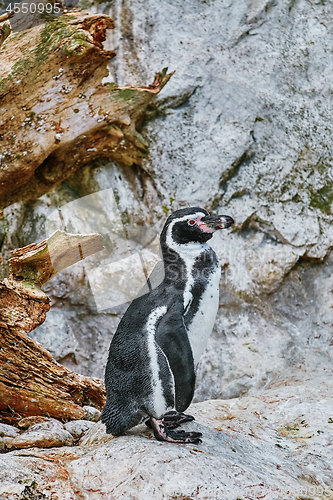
172 338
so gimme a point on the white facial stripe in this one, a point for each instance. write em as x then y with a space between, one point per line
159 401
188 252
171 244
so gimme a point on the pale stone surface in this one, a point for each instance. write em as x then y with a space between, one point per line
96 436
44 435
92 413
7 434
78 427
8 430
47 433
275 445
33 476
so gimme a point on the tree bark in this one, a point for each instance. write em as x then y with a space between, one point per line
4 28
56 114
31 382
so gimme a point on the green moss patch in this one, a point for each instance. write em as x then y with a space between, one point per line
55 34
322 198
117 93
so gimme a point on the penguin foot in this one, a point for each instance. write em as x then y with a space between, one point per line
163 433
173 419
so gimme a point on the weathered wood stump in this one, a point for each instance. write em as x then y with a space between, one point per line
56 114
31 381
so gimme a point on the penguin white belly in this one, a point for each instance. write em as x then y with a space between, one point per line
202 324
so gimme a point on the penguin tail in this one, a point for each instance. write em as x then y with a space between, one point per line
118 422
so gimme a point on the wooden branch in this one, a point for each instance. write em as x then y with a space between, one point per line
6 16
56 114
31 382
4 31
40 262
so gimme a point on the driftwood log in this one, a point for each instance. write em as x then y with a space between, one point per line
31 381
56 114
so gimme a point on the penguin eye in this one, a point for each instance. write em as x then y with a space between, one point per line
191 222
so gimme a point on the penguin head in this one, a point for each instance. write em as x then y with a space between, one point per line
192 225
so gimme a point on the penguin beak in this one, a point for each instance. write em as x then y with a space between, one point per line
215 222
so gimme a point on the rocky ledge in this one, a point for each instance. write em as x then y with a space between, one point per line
276 444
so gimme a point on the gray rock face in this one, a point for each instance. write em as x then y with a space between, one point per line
243 127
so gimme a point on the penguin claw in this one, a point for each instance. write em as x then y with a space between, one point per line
180 437
173 419
163 433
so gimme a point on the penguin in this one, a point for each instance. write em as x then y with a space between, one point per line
151 368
